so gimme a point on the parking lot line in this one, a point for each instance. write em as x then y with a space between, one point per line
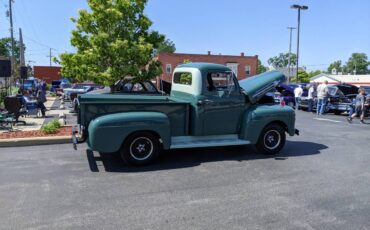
325 119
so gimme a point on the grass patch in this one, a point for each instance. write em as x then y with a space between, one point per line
51 127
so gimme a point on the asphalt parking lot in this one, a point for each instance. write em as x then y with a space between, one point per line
321 180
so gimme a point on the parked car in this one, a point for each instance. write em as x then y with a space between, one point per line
28 84
286 92
367 88
71 93
207 107
339 100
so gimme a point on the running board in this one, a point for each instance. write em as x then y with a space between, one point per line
182 142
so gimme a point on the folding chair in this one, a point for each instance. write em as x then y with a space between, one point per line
15 108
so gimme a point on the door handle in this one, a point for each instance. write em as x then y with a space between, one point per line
204 102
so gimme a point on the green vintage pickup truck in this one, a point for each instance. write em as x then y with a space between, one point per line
207 107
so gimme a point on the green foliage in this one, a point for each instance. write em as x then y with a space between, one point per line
50 127
314 73
6 48
335 65
303 76
358 64
53 94
261 68
282 60
186 78
112 40
167 46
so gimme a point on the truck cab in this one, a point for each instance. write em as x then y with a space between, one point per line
207 107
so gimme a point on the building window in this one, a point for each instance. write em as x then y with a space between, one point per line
233 67
168 68
248 70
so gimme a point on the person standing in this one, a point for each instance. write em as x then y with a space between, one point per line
322 97
40 103
310 96
297 95
359 106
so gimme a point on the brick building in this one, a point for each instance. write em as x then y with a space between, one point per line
243 66
47 73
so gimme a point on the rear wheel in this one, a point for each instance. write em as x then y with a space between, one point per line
140 148
271 140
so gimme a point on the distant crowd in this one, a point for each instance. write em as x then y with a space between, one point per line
320 92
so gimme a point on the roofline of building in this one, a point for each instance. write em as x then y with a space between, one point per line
215 55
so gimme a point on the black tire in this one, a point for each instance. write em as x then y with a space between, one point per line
271 140
140 148
337 112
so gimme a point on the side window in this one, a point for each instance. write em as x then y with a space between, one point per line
149 87
168 68
220 83
137 87
248 70
126 87
183 78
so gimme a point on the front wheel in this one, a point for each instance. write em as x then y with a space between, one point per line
140 149
271 140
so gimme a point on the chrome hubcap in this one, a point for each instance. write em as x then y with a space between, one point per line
272 139
141 148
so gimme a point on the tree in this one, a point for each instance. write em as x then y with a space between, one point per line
282 60
358 64
6 48
112 40
335 65
261 68
303 76
167 46
313 73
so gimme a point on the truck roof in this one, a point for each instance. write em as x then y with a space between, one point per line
205 66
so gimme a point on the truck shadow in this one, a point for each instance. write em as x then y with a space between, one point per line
175 159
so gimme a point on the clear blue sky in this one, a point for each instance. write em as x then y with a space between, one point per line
330 30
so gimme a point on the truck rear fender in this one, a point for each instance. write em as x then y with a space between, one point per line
256 119
107 133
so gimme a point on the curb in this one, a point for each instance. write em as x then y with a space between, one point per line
17 142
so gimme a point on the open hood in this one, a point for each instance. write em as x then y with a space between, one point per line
347 88
257 86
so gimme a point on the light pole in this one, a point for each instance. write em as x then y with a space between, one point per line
299 7
290 53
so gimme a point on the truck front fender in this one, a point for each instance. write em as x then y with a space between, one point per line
257 117
107 133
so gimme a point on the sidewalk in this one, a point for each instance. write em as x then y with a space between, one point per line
53 112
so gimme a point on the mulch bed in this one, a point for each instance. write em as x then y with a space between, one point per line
63 131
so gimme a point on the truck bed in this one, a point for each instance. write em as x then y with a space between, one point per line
92 106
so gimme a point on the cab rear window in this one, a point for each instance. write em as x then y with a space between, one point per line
183 78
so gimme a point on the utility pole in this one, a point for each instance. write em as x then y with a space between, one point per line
11 27
50 56
290 53
21 49
299 8
12 61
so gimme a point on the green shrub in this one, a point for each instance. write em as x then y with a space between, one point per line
50 127
53 94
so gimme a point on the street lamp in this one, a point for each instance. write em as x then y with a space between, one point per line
290 54
299 7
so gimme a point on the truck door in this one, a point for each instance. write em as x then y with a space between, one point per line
223 104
